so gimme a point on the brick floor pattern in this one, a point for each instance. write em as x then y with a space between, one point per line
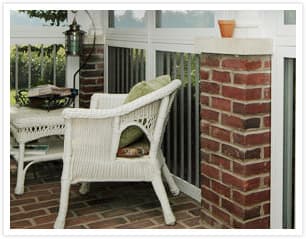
107 205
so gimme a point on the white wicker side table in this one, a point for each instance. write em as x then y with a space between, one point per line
27 124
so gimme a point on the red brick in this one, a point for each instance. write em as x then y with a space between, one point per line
210 144
204 75
232 208
261 223
221 104
210 171
234 63
81 219
252 139
210 60
267 93
267 121
253 65
92 89
205 181
205 156
240 212
253 108
204 100
25 215
209 87
267 64
20 224
251 169
209 115
241 184
232 152
253 79
204 204
108 223
221 76
207 219
220 161
210 195
241 94
252 198
232 121
221 189
267 181
223 216
267 152
266 208
205 128
220 133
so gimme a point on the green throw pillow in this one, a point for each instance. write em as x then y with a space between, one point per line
132 133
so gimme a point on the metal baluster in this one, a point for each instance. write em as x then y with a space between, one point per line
16 68
136 66
189 118
123 86
42 62
197 122
54 64
29 66
132 67
169 159
174 118
181 119
118 70
128 83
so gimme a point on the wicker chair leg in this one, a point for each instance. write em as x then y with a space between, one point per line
84 188
19 189
61 218
162 196
169 178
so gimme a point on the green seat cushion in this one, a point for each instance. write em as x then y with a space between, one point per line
132 133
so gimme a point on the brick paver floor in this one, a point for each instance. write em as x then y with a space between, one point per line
107 205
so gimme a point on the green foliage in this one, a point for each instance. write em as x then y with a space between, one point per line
53 17
41 65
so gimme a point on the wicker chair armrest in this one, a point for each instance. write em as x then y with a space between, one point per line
106 101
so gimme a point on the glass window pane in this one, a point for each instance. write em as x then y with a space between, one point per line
30 18
184 19
127 19
289 17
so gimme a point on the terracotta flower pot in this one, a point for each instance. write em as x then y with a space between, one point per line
226 27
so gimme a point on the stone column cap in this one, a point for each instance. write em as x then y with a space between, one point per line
234 46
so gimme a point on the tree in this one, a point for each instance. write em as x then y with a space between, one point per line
50 16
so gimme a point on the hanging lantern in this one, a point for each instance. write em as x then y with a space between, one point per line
74 39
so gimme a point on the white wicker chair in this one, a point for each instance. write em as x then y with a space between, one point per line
92 139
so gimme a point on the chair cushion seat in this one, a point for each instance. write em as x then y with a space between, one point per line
133 133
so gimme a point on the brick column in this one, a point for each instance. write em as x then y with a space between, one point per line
92 75
235 140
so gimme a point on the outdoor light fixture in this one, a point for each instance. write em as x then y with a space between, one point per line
74 38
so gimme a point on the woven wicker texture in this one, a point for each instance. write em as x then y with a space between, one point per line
92 139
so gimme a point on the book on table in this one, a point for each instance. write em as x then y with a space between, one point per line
31 149
48 89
